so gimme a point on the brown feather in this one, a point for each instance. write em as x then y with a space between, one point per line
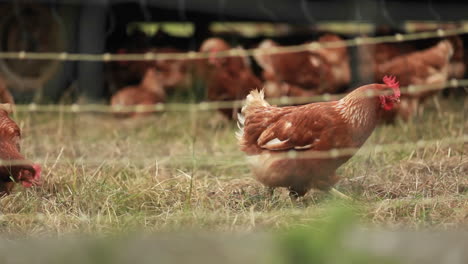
10 136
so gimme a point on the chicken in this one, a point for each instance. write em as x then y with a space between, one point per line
14 167
150 91
372 55
229 78
280 142
123 73
305 73
338 59
425 67
173 72
300 69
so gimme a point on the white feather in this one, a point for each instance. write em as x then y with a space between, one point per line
239 134
303 147
255 99
240 119
240 125
274 143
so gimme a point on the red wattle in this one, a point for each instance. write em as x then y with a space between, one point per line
38 169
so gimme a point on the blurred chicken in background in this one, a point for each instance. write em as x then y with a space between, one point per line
228 78
372 55
426 67
338 58
174 72
304 73
435 64
123 73
158 77
290 74
150 91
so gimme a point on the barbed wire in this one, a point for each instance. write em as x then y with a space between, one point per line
64 56
214 105
237 159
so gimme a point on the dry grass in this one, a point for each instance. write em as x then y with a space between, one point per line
178 170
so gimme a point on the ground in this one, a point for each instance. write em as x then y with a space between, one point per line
183 170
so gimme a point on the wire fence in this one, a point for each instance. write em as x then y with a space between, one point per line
63 56
236 160
213 105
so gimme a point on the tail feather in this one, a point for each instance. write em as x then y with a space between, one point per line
254 100
240 120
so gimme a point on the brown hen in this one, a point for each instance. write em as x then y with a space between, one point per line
304 73
229 78
14 167
150 91
285 145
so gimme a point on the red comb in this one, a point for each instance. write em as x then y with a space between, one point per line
38 170
28 181
392 82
